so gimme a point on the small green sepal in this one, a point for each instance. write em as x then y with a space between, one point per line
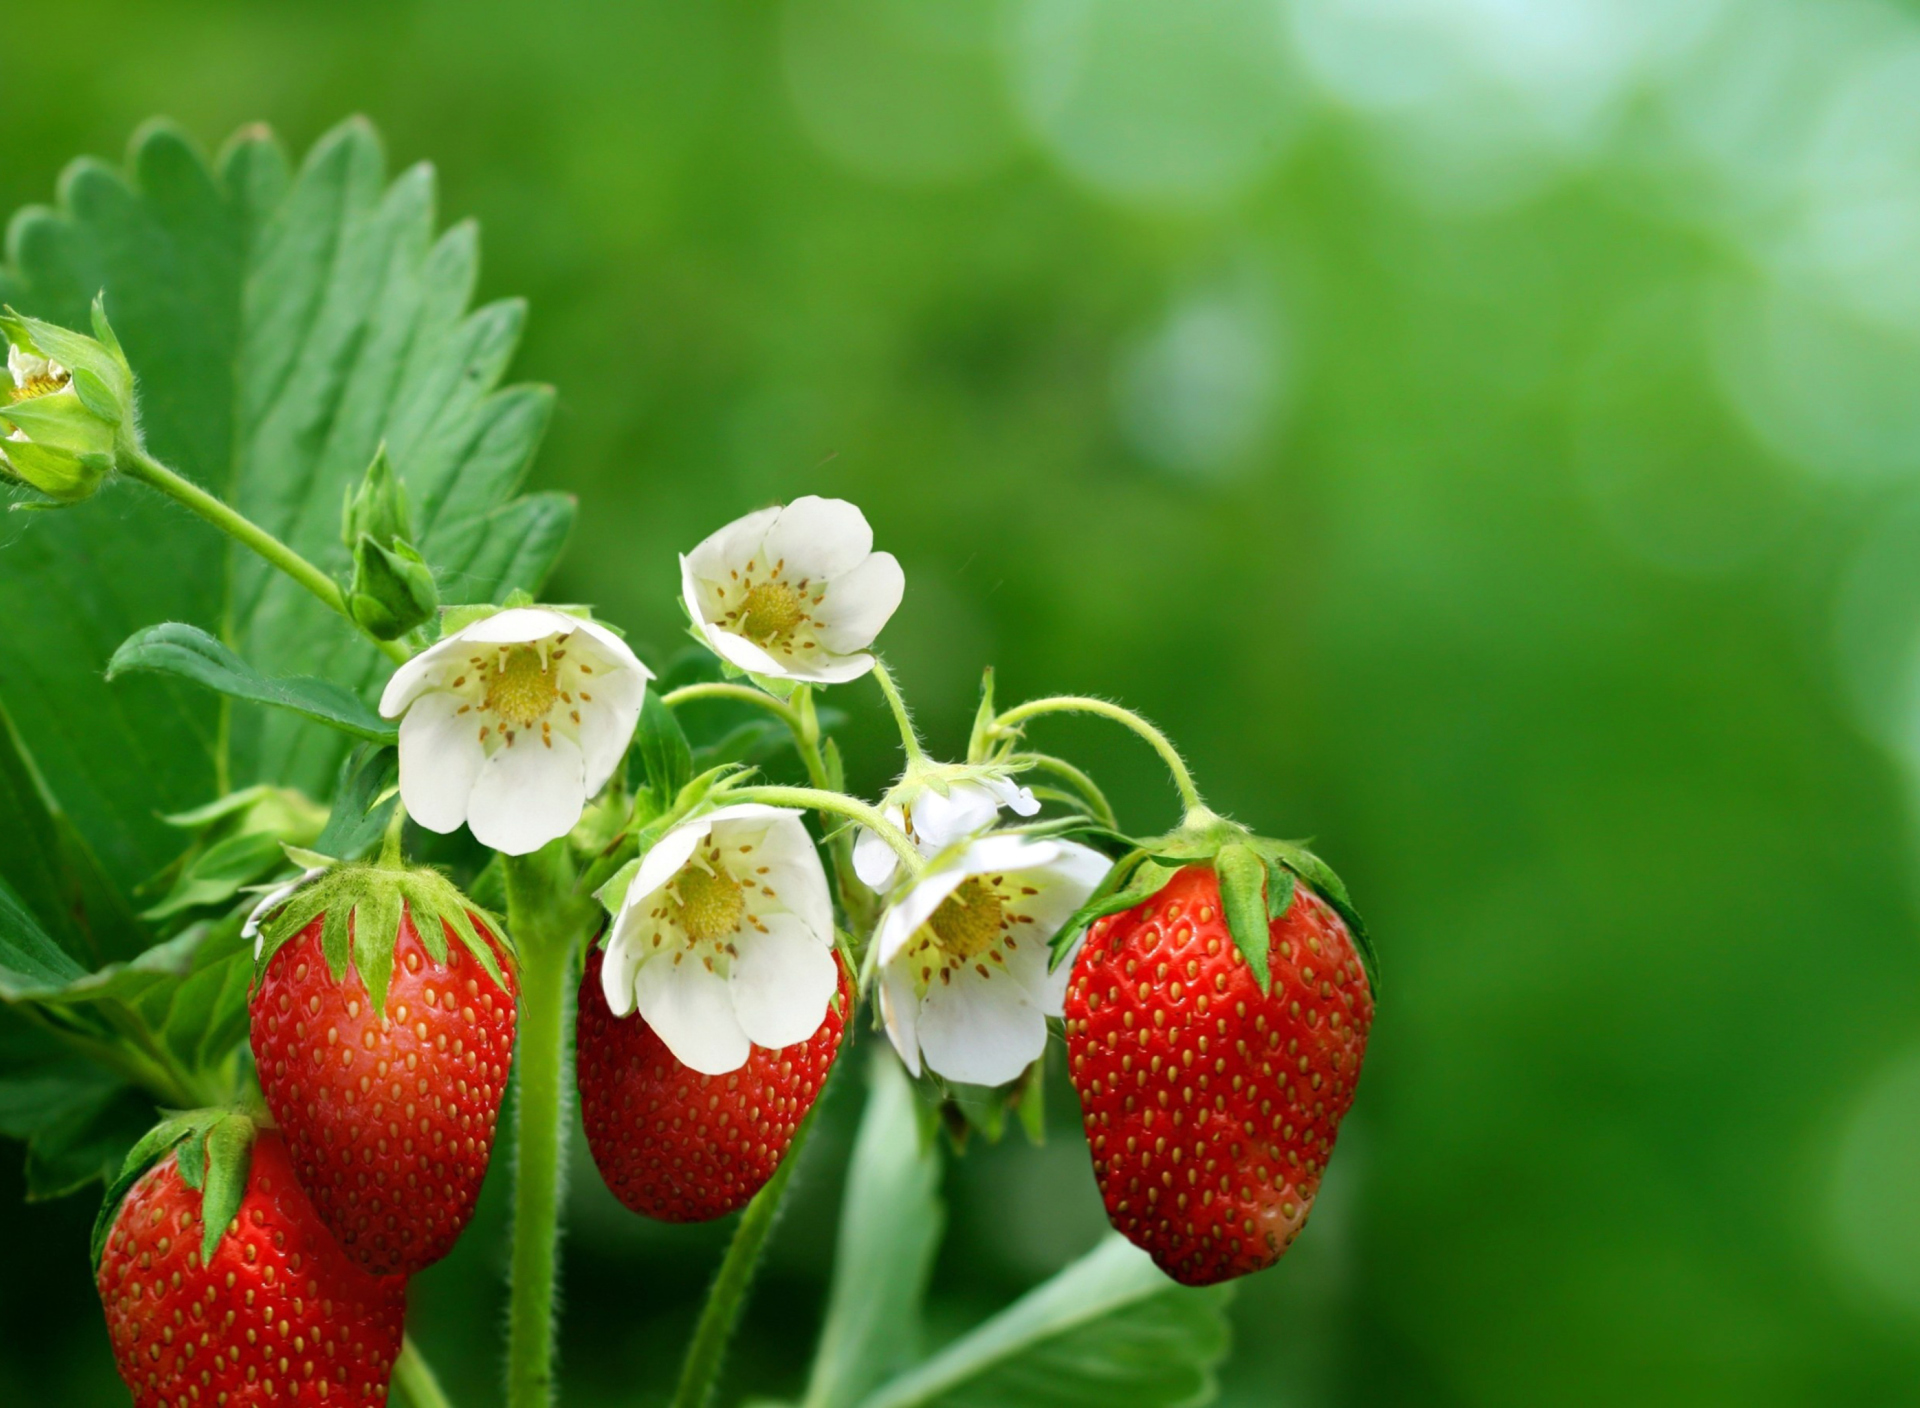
214 1149
360 907
1242 875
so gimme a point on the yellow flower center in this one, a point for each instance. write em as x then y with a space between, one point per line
969 920
771 612
710 903
524 686
43 385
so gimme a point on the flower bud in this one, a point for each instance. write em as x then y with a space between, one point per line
66 407
392 590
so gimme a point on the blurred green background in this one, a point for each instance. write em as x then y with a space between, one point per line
1486 435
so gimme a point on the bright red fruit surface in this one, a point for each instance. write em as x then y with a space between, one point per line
279 1316
1211 1109
390 1118
674 1144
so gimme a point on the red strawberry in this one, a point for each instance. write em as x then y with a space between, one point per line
389 1110
1210 1107
278 1315
680 1146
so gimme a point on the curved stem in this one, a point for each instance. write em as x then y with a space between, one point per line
742 693
539 916
138 464
837 804
1084 704
708 1348
909 737
416 1378
1088 789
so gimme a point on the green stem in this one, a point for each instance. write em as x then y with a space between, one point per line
416 1378
1083 704
742 693
1088 789
727 1298
541 918
909 736
138 464
837 804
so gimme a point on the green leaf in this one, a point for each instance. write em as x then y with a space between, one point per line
216 874
1321 876
359 818
891 1220
1280 887
174 648
661 746
86 1143
1108 1332
1243 877
282 324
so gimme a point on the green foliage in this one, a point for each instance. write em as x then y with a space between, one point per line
1108 1332
188 652
891 1222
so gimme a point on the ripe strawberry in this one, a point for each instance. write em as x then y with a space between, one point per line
388 1105
679 1146
277 1315
1209 1106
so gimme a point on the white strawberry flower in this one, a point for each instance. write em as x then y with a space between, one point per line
512 723
793 593
963 955
724 940
934 820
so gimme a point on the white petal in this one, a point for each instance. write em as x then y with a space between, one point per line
873 859
693 592
743 653
626 951
1013 796
440 760
795 874
519 625
857 605
729 549
782 981
692 1010
1064 884
940 821
823 668
613 649
418 675
900 1010
528 795
913 909
664 860
619 690
983 1031
819 539
991 854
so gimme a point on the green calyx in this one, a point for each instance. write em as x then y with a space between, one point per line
392 590
359 907
215 1151
1258 878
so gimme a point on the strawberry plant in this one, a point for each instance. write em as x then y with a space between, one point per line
316 819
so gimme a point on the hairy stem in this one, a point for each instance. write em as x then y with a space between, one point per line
1089 790
708 1348
1084 704
741 693
543 918
416 1379
909 736
138 464
837 804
